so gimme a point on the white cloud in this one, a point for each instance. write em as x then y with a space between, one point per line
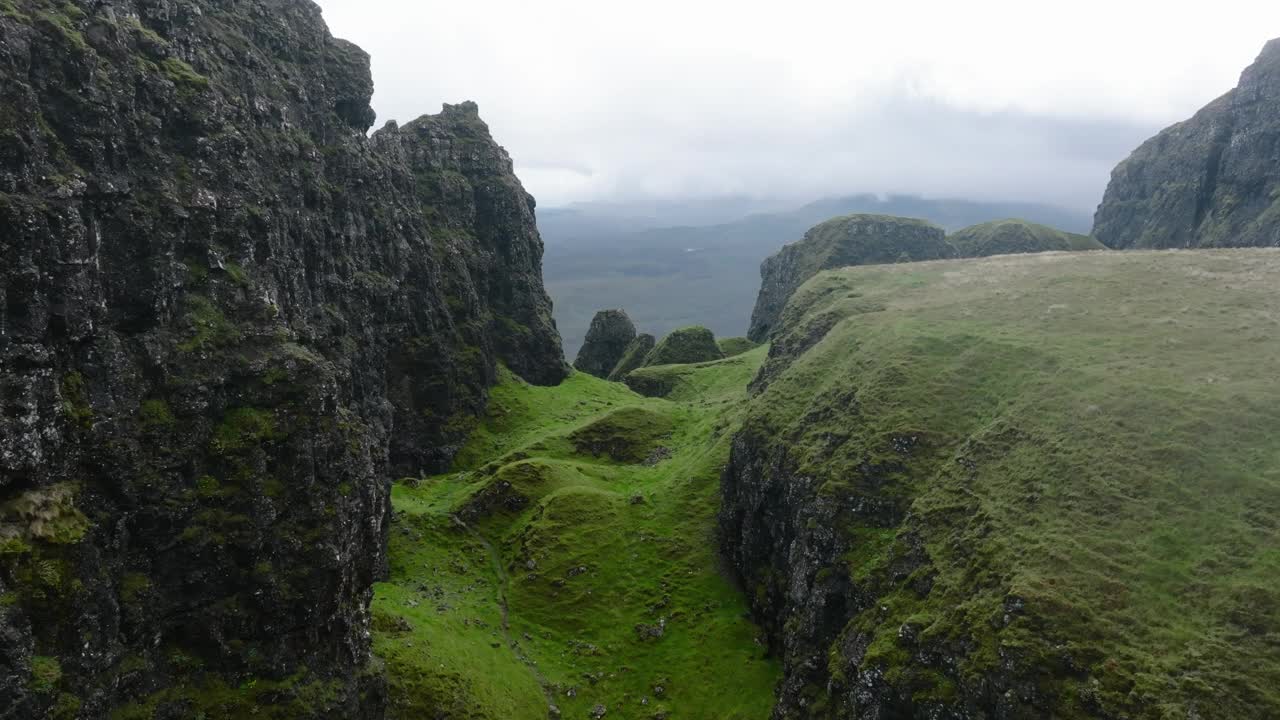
988 97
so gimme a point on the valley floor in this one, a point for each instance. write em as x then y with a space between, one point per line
569 563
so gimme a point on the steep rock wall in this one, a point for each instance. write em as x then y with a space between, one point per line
1210 181
228 317
610 335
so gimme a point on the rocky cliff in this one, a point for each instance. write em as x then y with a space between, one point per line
228 317
840 242
608 338
1211 181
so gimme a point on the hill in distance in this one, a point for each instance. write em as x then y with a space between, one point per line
1006 237
672 277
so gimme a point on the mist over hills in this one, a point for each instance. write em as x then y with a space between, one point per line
707 271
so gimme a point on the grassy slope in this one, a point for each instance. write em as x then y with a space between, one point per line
1097 436
603 552
1000 237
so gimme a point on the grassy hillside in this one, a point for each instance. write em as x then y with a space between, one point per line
570 560
1085 448
1003 237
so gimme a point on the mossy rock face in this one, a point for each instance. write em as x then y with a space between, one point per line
686 345
224 325
607 343
1007 237
1212 180
840 242
637 350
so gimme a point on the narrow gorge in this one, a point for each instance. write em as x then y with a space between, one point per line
287 429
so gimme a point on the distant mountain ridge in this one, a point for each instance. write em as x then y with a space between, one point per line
671 277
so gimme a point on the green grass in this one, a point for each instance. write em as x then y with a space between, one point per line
690 382
735 345
692 344
183 75
1001 237
1091 435
590 516
46 673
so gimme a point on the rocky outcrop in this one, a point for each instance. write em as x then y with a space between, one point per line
1007 237
687 345
228 317
842 241
607 342
633 357
1211 181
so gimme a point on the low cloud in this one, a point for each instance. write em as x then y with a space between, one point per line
989 99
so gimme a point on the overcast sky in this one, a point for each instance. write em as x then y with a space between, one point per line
600 100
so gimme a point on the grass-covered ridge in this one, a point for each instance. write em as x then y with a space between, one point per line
570 560
1004 237
1084 445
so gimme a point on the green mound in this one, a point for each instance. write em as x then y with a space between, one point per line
1056 470
627 435
840 242
633 357
1005 237
735 345
656 382
686 345
690 382
566 562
